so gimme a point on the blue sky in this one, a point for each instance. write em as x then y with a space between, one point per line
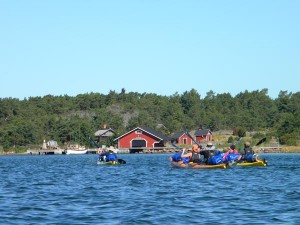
75 47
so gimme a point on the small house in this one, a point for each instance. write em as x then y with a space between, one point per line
203 135
101 136
181 138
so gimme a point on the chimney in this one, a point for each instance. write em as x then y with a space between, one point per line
104 126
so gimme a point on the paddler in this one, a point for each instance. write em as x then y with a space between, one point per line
193 156
102 154
247 153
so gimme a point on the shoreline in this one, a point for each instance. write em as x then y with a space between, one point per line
284 149
144 153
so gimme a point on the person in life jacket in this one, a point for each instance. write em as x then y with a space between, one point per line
232 150
208 152
225 154
101 154
111 156
247 153
193 156
231 154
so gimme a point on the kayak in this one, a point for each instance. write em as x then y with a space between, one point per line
191 165
256 163
111 163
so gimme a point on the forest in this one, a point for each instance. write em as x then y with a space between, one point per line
26 123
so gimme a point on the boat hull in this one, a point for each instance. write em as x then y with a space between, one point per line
75 152
111 163
180 164
257 163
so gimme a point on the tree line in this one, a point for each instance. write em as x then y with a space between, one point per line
27 122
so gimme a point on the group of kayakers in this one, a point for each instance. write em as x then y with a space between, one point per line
210 156
207 155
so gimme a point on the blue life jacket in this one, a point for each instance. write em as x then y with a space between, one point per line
246 152
250 158
176 157
232 157
111 157
186 160
215 160
217 152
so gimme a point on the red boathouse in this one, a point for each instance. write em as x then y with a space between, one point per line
141 138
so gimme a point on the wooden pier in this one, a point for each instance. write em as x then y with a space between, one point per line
94 151
274 147
45 151
270 149
54 151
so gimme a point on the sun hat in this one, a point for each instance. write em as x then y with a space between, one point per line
111 148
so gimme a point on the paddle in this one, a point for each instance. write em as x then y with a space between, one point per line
190 136
181 149
239 138
90 139
121 161
175 146
260 142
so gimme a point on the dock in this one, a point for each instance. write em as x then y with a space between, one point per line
274 147
45 151
54 151
270 149
94 151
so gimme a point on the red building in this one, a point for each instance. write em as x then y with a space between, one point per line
182 138
142 137
203 135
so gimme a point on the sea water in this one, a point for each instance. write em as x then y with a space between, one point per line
73 189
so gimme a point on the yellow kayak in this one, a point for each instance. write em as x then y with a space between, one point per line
180 164
107 163
256 163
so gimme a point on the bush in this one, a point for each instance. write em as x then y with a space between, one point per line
230 139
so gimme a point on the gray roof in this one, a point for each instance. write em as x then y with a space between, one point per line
105 132
156 133
202 132
177 135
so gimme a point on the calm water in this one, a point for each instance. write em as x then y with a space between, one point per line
70 189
